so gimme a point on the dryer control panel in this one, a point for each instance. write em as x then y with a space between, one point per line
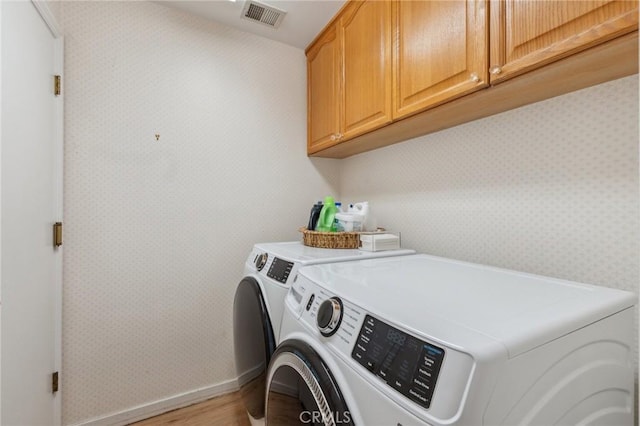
406 363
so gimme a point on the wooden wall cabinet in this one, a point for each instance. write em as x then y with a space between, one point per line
528 34
323 92
349 75
441 52
456 61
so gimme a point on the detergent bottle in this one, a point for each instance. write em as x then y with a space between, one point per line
314 215
336 225
326 221
362 209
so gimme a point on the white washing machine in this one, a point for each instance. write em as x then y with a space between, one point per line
422 340
259 299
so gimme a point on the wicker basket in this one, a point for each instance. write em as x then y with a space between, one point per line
334 240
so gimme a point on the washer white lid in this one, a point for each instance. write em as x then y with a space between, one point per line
447 299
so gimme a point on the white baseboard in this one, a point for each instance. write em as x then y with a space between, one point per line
151 409
251 374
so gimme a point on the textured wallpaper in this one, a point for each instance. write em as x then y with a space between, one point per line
157 231
550 188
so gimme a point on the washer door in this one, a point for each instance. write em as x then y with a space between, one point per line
301 389
254 344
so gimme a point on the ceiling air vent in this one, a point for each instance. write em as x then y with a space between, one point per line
266 15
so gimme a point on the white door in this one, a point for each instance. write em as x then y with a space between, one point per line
30 199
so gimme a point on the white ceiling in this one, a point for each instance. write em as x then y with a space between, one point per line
303 21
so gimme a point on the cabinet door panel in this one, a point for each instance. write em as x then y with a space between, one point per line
526 34
322 93
366 58
441 52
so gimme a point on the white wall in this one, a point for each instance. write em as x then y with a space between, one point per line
156 232
0 204
550 188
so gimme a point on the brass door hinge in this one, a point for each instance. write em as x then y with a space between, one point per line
57 90
54 382
57 234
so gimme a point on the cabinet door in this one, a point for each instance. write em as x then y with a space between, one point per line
526 34
323 87
365 35
441 52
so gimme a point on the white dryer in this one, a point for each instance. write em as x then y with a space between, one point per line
259 300
422 340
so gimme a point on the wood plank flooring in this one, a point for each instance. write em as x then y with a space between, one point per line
224 410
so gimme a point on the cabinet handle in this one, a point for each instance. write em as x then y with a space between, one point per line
336 137
495 70
474 77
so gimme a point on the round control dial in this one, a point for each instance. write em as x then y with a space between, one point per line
261 260
329 316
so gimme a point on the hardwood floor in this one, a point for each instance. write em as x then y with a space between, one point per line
224 410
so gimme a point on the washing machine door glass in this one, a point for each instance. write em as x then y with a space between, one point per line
301 389
254 343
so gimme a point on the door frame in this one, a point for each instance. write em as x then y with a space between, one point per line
51 22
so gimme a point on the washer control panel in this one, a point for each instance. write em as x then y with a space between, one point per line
404 367
406 364
280 270
403 362
275 268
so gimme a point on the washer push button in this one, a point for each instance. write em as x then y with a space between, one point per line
425 375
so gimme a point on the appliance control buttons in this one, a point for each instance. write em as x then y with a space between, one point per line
313 296
405 363
329 316
261 260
